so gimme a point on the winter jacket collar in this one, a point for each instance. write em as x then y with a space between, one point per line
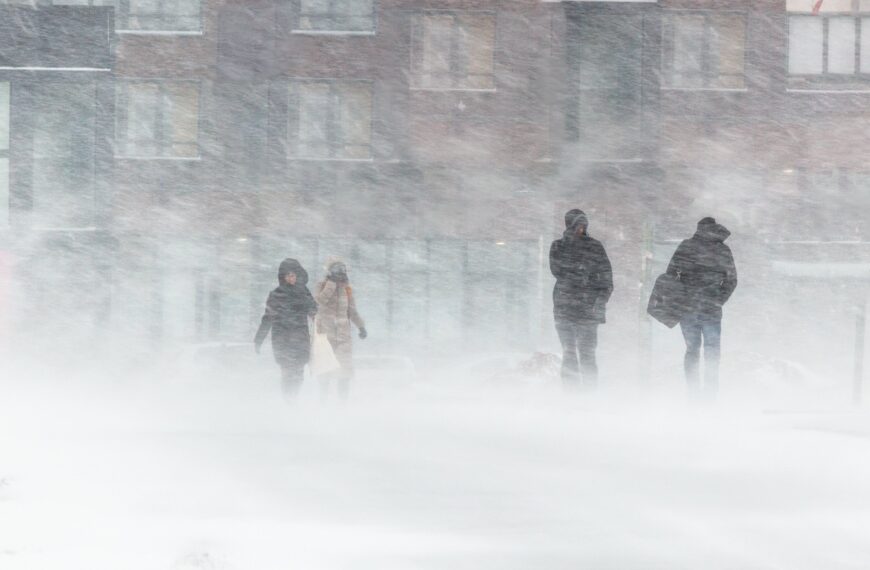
712 232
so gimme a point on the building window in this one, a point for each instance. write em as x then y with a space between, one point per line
336 15
157 119
63 123
829 38
453 51
83 2
703 50
4 153
608 58
159 15
329 120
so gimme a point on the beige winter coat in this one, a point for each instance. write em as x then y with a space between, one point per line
336 310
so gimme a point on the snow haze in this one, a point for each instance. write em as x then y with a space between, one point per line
159 161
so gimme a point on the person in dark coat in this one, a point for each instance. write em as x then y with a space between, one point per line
288 309
705 267
584 282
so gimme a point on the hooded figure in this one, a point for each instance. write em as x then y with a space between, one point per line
288 309
705 267
584 282
336 311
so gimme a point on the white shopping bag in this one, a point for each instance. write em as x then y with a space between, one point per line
323 360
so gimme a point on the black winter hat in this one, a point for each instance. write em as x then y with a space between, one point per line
290 265
706 221
575 219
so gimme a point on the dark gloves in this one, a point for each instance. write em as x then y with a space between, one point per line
363 334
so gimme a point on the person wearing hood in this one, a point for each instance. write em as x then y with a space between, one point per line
584 283
705 267
288 308
336 311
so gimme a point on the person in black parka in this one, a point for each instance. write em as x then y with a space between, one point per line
705 267
288 309
584 282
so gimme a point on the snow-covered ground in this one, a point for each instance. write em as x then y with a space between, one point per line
155 471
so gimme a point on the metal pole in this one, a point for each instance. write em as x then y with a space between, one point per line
860 327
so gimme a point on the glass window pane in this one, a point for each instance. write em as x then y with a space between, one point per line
355 115
313 115
841 45
183 113
805 45
865 45
4 115
687 45
314 7
356 7
142 103
4 192
436 51
727 50
446 291
477 43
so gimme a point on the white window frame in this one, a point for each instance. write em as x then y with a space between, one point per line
122 15
707 77
334 85
453 72
859 18
5 151
122 126
333 32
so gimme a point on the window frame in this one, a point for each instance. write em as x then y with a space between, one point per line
667 83
857 17
5 154
330 32
416 44
162 144
332 126
122 14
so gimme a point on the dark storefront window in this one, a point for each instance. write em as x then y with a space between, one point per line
608 53
831 41
703 50
64 137
336 15
157 119
329 120
4 152
453 51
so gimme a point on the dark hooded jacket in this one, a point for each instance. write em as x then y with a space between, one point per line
287 310
584 277
705 266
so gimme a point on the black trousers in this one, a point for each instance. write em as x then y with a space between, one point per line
579 341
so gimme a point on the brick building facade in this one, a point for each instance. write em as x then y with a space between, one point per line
179 150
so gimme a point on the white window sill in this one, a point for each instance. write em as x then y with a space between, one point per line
315 159
173 158
159 33
62 229
331 33
709 89
829 91
454 89
613 160
12 68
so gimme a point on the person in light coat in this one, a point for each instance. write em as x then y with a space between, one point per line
336 311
